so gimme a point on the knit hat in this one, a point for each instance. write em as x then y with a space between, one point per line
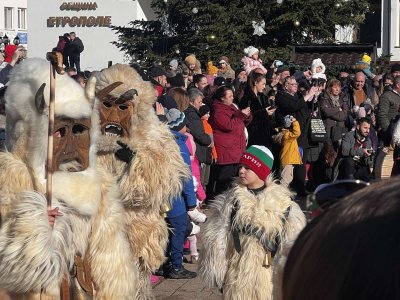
259 159
173 63
176 119
219 81
223 59
281 69
157 71
203 110
395 68
287 121
211 69
250 51
190 60
366 58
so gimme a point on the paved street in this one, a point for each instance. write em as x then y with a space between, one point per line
185 289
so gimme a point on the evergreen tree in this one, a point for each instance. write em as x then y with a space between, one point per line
211 28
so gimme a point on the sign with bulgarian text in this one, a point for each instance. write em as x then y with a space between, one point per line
79 21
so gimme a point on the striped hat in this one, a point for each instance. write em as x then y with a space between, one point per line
259 159
176 119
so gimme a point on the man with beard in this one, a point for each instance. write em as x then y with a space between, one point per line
77 247
147 165
357 152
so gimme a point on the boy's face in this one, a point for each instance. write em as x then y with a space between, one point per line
248 178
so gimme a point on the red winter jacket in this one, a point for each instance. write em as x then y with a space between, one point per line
228 125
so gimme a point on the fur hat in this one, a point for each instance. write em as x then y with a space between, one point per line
190 60
250 51
395 68
25 121
259 159
173 63
211 69
317 63
176 119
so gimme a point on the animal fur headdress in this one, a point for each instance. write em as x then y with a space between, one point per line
27 120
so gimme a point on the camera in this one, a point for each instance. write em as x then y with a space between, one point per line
318 81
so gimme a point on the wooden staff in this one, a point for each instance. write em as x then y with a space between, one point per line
55 59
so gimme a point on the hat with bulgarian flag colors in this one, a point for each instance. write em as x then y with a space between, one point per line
259 159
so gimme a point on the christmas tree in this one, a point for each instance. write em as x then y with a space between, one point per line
211 28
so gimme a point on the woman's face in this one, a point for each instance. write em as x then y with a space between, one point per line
336 89
228 98
260 86
197 102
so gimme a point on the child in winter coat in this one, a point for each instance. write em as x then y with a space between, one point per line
177 215
290 154
251 61
249 232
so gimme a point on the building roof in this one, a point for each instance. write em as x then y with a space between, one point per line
343 54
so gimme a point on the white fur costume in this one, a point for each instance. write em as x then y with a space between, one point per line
242 275
34 257
153 177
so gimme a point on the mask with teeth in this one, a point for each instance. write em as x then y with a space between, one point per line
116 113
71 144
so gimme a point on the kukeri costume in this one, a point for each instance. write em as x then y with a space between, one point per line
248 235
153 177
90 235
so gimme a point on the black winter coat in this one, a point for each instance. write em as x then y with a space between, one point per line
261 128
296 106
201 138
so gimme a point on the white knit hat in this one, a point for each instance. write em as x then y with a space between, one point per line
250 51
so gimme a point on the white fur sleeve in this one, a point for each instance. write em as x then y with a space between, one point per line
295 223
32 255
215 233
396 134
113 270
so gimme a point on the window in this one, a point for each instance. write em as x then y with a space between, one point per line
21 18
8 17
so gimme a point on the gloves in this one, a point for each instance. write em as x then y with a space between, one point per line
197 216
124 154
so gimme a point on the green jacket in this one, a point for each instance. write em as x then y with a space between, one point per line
387 109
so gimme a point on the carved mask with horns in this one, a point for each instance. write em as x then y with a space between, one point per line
116 112
71 138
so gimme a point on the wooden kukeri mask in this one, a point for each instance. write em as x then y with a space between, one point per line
116 113
71 144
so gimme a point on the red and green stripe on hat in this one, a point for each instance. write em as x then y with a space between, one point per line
259 159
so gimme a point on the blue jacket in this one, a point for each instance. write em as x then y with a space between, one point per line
187 199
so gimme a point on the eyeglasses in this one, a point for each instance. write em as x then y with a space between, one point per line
325 195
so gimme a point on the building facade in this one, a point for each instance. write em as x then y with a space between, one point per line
90 20
14 19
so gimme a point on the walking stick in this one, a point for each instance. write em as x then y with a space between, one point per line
55 58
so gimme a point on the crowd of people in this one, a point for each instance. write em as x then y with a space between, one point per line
161 147
333 127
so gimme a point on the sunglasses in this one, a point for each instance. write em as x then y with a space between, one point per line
326 195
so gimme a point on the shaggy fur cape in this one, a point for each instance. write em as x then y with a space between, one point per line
241 275
33 256
151 180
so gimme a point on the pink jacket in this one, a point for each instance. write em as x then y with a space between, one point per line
195 165
250 64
